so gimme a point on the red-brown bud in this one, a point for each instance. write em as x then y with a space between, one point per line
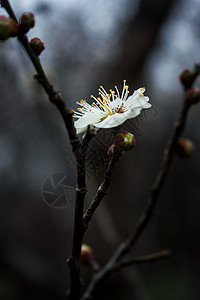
27 21
187 78
37 45
124 141
185 148
8 28
86 254
192 96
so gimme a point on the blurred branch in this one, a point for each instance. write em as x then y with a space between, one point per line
141 259
139 38
5 4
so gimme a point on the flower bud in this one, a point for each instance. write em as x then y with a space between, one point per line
192 96
86 254
37 45
8 28
124 141
187 78
27 21
185 148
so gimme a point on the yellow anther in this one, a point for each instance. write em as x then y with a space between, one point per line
126 87
124 81
142 95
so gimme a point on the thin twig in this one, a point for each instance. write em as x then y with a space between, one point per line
102 190
125 247
141 259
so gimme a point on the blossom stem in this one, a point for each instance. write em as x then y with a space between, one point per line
101 192
125 247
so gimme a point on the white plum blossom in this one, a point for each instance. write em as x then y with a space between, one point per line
110 110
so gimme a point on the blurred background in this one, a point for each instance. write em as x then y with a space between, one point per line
88 44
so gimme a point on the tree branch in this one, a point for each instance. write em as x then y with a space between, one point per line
102 190
141 259
78 150
125 247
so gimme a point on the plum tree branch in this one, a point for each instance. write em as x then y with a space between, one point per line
141 259
102 190
78 149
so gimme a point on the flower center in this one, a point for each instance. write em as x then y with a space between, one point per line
108 103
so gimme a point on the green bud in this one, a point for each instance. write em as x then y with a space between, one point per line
124 141
8 28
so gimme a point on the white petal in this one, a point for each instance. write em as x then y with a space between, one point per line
136 101
147 105
113 121
81 129
88 118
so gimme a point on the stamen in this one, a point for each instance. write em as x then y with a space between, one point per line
117 91
103 90
123 89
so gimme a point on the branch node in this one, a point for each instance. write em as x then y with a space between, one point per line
82 190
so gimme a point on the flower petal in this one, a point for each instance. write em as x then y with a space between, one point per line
112 111
113 120
88 118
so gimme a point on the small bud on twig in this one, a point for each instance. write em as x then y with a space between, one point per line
8 28
27 21
37 45
124 141
192 96
185 148
86 254
187 78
